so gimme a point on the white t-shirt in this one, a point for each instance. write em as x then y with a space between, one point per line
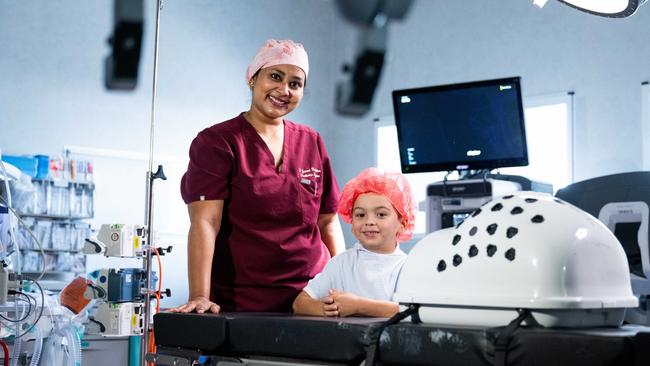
361 272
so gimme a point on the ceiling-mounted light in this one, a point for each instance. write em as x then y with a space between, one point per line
606 8
354 96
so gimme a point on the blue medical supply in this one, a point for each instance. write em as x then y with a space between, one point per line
123 285
5 243
42 166
26 164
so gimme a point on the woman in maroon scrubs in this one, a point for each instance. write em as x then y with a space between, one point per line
261 197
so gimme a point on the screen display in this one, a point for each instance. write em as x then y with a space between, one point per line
627 233
468 126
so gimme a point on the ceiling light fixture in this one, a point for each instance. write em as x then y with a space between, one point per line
539 3
606 8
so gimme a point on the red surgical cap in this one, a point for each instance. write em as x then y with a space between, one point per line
391 185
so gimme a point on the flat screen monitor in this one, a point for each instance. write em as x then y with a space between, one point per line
468 126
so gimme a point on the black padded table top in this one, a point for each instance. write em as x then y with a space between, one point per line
421 344
346 340
204 332
337 340
312 338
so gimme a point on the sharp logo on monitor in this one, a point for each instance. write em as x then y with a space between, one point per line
473 152
504 87
405 99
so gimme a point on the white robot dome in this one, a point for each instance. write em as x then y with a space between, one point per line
523 250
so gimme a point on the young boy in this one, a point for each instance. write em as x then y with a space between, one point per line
361 280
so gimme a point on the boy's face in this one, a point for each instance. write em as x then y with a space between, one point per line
375 223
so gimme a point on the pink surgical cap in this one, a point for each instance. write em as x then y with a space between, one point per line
393 186
275 52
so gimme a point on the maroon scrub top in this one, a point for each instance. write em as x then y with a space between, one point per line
269 244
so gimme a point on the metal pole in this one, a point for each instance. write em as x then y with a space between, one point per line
147 249
572 96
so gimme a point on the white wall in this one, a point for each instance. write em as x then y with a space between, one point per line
554 49
51 91
52 59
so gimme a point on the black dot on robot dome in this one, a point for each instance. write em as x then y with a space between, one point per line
512 231
455 240
476 213
442 265
473 231
491 229
457 260
497 207
530 200
516 211
508 197
473 251
510 254
491 249
537 219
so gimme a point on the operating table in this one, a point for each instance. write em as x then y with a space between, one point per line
282 339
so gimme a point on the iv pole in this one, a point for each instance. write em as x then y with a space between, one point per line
148 248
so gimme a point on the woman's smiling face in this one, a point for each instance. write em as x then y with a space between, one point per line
278 90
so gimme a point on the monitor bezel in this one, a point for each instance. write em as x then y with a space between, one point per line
461 165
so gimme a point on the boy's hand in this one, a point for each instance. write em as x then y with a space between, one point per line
329 307
347 303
